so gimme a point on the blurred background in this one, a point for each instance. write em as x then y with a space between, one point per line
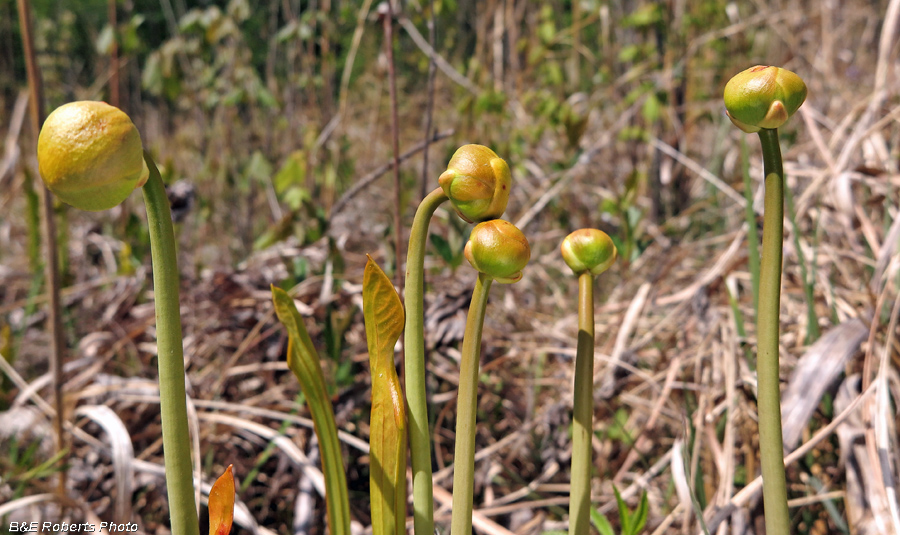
271 122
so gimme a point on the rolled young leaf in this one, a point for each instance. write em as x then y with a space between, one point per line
221 504
384 319
303 360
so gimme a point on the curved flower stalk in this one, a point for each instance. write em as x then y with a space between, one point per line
498 251
588 252
760 100
90 155
477 183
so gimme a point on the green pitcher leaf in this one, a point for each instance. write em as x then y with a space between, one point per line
303 360
385 319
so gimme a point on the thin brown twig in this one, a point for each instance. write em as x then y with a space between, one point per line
367 180
429 101
48 229
388 20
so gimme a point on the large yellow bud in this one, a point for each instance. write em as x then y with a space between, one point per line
90 155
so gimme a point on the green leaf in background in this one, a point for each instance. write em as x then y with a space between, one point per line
385 319
624 514
443 247
601 523
303 360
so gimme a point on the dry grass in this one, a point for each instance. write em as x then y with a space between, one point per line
675 396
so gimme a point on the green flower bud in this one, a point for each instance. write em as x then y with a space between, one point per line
90 155
477 182
763 97
499 249
590 250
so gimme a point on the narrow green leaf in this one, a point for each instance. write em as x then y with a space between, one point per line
639 517
303 360
385 319
601 523
443 247
624 515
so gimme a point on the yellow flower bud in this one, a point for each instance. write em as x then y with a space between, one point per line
90 155
763 97
499 249
477 181
590 250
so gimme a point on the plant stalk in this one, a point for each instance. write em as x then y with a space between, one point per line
395 133
771 450
583 413
414 365
49 237
466 408
173 407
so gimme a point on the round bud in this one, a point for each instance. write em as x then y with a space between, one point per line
499 249
90 155
477 182
590 250
763 97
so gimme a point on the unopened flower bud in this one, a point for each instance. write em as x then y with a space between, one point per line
499 249
590 250
477 181
90 155
763 97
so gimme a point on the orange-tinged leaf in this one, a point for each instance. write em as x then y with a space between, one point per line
384 319
221 504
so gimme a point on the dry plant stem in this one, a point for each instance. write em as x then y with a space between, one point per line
395 132
466 405
173 408
429 106
414 364
769 397
583 414
49 237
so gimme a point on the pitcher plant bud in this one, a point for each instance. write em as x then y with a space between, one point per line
477 182
763 97
499 249
90 155
589 250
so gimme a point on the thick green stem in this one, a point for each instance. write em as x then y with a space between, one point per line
466 407
771 451
414 365
176 439
583 413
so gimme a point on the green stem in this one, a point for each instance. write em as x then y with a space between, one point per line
583 413
771 451
466 407
176 439
414 367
